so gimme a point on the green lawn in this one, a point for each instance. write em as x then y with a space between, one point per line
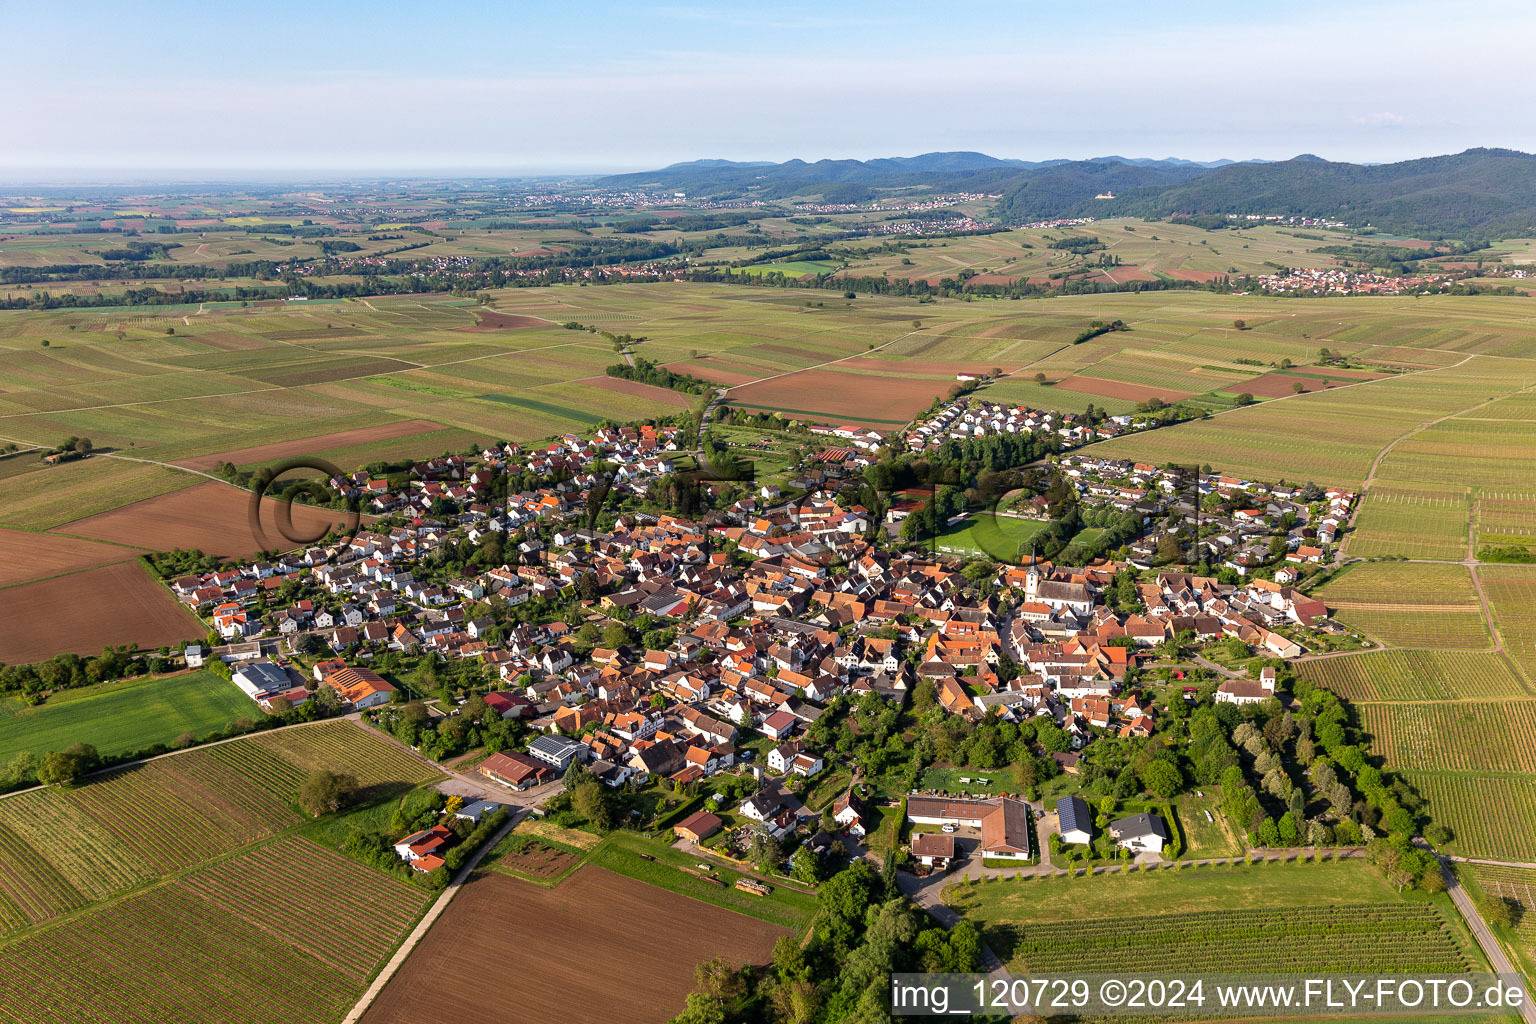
947 780
118 717
1203 838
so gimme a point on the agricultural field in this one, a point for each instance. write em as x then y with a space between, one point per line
34 556
1491 815
212 517
131 715
85 611
1483 736
1419 523
1518 884
61 850
1416 676
1511 592
1405 604
244 950
343 746
593 917
1266 917
1504 518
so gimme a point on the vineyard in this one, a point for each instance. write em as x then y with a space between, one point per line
1415 675
1457 736
1410 524
284 934
1511 591
62 850
1491 815
341 746
1517 884
1386 938
1406 604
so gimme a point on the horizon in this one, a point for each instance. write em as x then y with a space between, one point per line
123 177
347 90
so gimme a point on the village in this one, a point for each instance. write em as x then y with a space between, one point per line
728 654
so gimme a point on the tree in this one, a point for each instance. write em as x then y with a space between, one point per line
1298 387
591 802
1162 779
326 792
1239 325
58 768
805 866
307 644
1040 378
1246 398
1499 910
700 1010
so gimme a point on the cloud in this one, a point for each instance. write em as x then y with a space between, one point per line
1384 119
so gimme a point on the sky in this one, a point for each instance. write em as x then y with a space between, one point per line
108 90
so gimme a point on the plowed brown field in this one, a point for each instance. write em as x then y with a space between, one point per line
597 949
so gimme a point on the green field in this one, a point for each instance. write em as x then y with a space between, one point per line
1482 736
118 717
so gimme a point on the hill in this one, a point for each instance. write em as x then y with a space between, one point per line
1488 192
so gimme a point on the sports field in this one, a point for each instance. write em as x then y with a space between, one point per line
131 715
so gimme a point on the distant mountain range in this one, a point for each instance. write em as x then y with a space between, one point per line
1478 192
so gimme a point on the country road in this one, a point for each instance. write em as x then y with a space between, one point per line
1484 935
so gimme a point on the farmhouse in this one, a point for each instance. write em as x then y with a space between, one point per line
1004 822
423 850
933 849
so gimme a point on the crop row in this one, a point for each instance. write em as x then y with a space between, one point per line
343 914
1462 736
1415 675
166 958
1491 815
344 747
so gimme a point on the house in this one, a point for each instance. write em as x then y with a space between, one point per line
1075 818
778 725
516 770
1140 833
557 751
423 850
698 827
934 849
1004 822
846 812
762 806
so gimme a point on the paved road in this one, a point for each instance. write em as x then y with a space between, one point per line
1485 937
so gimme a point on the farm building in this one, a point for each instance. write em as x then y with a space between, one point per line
697 827
516 770
1004 822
